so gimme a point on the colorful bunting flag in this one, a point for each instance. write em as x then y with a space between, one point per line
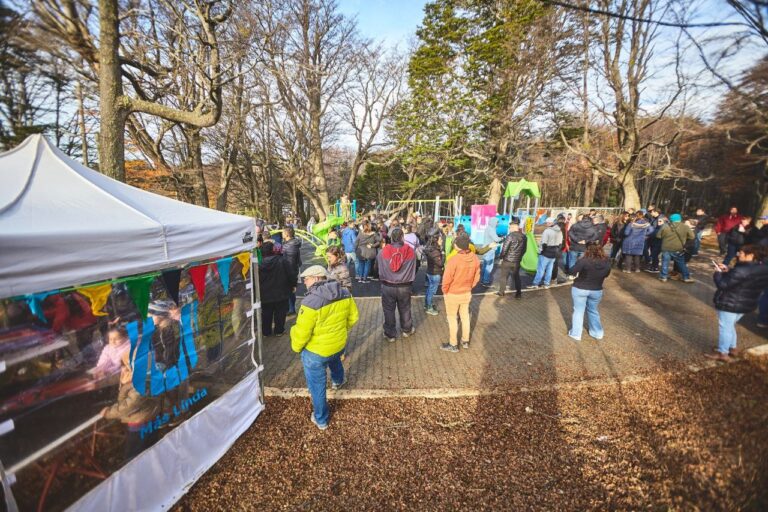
138 289
98 296
223 266
35 303
245 260
171 280
197 274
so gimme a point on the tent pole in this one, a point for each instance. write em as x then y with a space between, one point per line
437 207
256 316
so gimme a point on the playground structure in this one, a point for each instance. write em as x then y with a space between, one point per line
440 209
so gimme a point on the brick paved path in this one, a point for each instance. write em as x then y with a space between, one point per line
649 327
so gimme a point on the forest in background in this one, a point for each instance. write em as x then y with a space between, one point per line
261 106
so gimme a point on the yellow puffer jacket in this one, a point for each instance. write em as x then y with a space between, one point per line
326 315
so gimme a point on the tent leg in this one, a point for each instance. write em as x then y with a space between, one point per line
256 321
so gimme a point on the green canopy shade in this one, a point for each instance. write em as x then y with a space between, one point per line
529 188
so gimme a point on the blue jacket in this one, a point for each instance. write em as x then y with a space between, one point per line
348 239
635 234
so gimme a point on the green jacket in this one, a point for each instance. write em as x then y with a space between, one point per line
674 236
326 315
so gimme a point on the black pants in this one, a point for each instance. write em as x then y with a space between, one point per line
396 297
514 268
273 311
722 242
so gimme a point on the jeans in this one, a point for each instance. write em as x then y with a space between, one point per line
364 268
352 258
273 311
544 270
762 308
432 284
396 297
315 374
565 260
292 303
726 322
679 259
486 267
506 269
730 253
457 304
697 242
573 257
586 299
655 248
722 242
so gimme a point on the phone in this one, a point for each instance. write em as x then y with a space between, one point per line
717 266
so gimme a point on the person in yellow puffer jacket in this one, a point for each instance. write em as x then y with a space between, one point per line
326 315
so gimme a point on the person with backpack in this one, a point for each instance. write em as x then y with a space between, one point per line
674 236
462 273
397 270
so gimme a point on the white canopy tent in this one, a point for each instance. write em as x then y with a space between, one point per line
63 224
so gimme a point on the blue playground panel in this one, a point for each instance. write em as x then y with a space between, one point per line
502 228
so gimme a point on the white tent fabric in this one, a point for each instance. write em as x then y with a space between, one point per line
63 224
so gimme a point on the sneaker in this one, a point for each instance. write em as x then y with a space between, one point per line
391 340
533 287
663 279
500 294
689 280
373 278
637 271
335 386
546 287
762 325
574 338
519 295
488 285
571 278
409 333
449 348
432 311
465 345
313 420
627 271
654 271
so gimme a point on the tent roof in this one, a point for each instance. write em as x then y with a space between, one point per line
62 224
529 188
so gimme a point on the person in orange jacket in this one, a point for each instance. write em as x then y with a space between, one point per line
462 273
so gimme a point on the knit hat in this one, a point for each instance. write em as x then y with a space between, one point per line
462 242
551 220
675 217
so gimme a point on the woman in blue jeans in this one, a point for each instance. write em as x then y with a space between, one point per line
587 291
738 292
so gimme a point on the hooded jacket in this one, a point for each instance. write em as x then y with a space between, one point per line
434 259
490 232
277 277
583 230
407 271
634 237
674 236
513 248
739 289
326 315
462 273
551 240
348 239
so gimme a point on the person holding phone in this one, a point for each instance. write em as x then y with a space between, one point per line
738 291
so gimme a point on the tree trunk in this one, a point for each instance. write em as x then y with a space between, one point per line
631 196
195 165
81 122
112 115
590 189
494 195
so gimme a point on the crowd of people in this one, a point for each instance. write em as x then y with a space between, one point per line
583 249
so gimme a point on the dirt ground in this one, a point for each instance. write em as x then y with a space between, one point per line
684 441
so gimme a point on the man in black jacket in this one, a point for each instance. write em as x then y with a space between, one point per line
292 253
738 291
581 233
512 251
277 280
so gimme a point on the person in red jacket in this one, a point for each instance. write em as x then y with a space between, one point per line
724 225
